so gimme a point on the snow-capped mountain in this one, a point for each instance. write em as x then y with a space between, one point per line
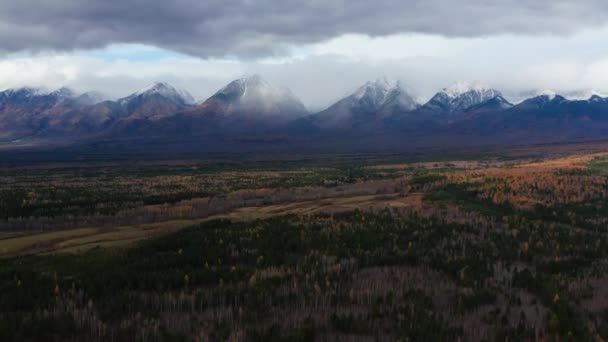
23 111
157 100
163 90
252 109
398 99
34 100
373 100
90 98
20 93
551 115
372 96
548 93
543 99
63 93
585 94
459 97
25 95
254 98
598 99
383 96
28 95
496 103
576 95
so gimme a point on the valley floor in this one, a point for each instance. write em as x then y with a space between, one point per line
493 247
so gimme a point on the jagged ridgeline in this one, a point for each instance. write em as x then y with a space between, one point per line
249 111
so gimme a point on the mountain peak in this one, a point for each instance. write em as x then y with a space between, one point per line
542 99
384 82
549 94
155 87
165 90
373 100
91 98
384 92
496 103
597 98
460 88
27 94
378 89
23 91
584 94
254 96
460 96
249 85
63 93
253 79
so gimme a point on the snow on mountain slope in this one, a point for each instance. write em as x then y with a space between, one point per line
24 92
63 93
253 96
371 101
368 106
460 96
156 101
382 93
374 93
548 94
586 94
90 98
168 91
34 100
496 103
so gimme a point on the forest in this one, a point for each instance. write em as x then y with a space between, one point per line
480 249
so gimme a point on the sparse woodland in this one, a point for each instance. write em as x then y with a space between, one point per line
515 251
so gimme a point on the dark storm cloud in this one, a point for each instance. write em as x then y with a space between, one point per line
215 28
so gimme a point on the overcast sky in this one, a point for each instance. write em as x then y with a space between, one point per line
321 49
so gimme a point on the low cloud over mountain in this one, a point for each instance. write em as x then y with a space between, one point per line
269 28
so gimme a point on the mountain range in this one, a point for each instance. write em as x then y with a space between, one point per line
250 110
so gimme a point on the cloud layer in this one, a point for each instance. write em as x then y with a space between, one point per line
317 80
321 49
254 28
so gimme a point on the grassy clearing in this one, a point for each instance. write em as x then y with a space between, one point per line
20 244
81 240
599 164
85 238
